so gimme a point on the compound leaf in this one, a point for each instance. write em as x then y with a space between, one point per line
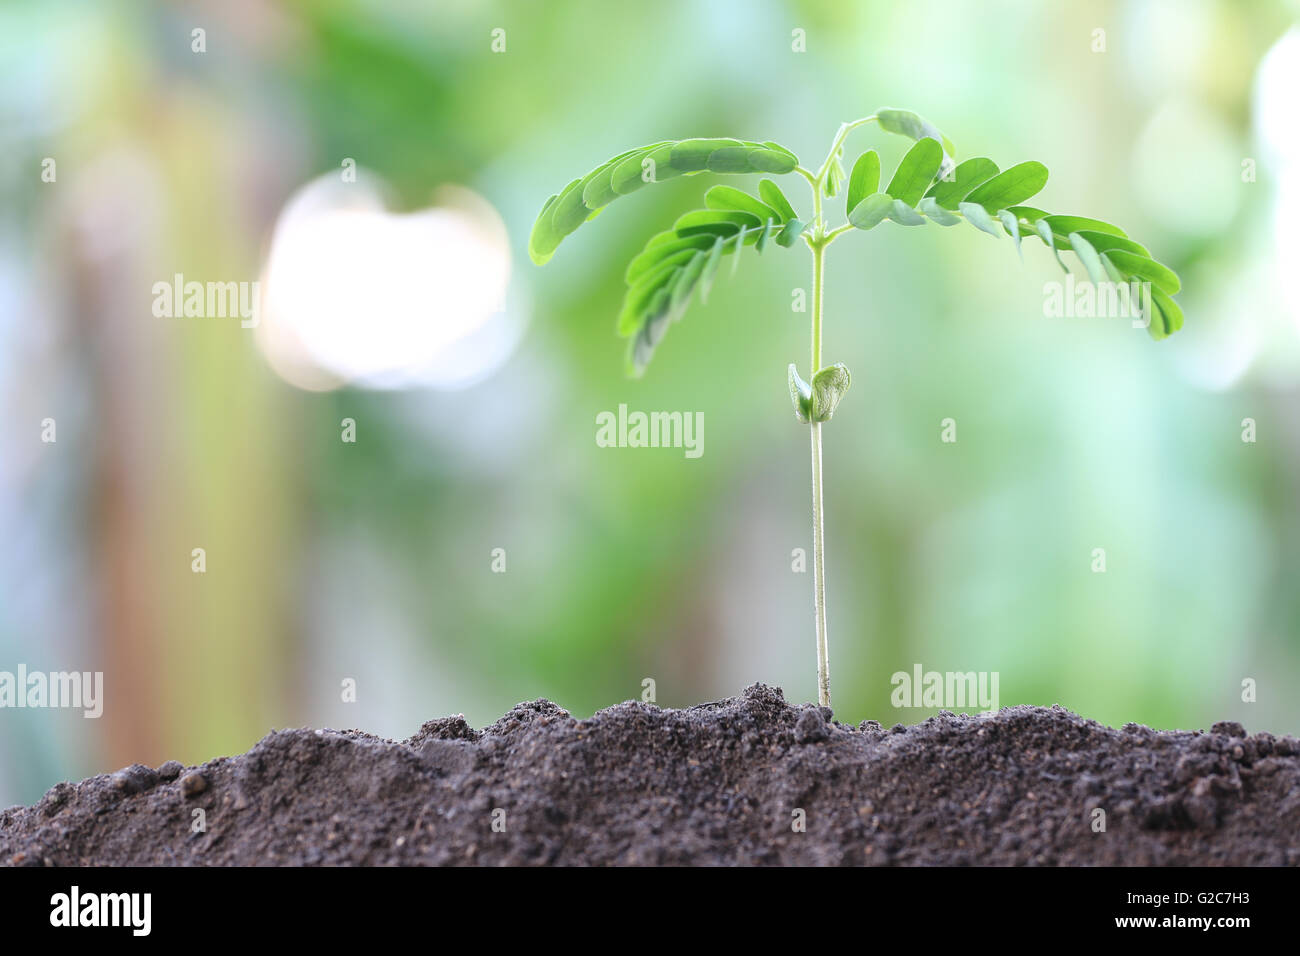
584 198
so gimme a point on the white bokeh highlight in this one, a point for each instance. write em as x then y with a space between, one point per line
353 293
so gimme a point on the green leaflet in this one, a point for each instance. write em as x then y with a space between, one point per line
1166 318
710 270
1105 241
655 252
583 198
907 123
771 157
731 159
864 180
644 342
977 216
1028 215
834 177
1064 225
778 148
1012 225
965 177
916 171
1140 267
1045 233
597 187
653 165
740 241
800 395
828 387
690 275
719 222
792 231
692 155
936 213
675 258
570 211
1088 256
769 160
728 197
1032 213
869 213
1112 270
905 215
1010 187
771 194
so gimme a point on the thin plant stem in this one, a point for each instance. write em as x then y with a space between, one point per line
819 543
817 242
819 572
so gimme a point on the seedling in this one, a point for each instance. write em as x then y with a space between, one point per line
927 186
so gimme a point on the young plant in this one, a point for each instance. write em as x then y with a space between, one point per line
927 186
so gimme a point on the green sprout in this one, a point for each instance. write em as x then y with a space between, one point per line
927 186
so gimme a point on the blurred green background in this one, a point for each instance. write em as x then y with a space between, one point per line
474 378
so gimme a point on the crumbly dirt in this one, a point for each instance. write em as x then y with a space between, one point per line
721 783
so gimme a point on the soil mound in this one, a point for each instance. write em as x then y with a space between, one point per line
746 780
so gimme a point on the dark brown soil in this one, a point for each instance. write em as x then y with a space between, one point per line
714 784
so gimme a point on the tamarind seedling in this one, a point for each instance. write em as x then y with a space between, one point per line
928 186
